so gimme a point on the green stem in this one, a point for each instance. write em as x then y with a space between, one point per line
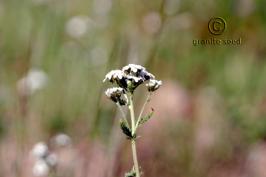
133 143
142 109
135 158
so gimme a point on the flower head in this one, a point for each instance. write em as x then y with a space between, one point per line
153 85
133 82
116 76
115 94
113 75
138 71
132 68
129 78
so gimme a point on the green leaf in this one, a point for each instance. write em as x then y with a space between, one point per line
132 173
145 118
126 130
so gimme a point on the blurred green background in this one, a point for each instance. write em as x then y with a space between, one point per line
210 114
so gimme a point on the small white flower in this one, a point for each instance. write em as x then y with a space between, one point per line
115 94
138 71
130 77
62 140
114 74
135 79
118 77
133 82
153 85
146 75
114 90
51 160
40 168
40 150
132 68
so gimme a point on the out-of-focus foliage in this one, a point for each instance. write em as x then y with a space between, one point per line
215 100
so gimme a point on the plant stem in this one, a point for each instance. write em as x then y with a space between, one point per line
135 158
133 143
142 109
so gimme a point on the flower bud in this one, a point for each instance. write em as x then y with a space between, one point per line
115 94
133 82
118 77
137 71
153 85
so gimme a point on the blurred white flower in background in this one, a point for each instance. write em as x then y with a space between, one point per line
62 140
40 168
152 22
78 26
45 161
48 158
35 80
51 159
40 150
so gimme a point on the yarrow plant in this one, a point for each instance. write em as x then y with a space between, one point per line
128 79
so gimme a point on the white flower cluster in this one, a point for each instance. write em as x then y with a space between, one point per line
116 95
45 160
128 79
153 85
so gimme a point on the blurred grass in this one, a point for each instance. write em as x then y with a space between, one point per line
33 35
